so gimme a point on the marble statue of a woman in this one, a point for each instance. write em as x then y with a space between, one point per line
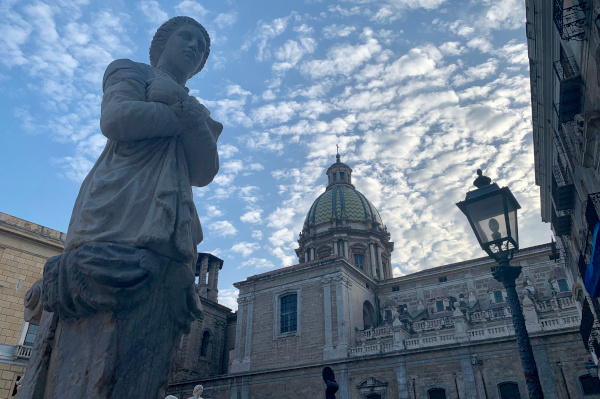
118 299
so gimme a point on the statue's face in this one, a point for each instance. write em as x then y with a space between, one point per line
184 50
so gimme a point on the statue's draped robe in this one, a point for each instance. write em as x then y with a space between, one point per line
118 299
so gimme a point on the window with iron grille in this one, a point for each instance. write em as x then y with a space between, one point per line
289 313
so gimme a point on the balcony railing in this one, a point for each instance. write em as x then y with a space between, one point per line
570 21
435 324
566 68
568 73
23 352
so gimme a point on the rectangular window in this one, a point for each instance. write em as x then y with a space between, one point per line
359 261
30 336
443 279
335 177
341 175
395 288
509 390
498 297
289 313
439 306
562 285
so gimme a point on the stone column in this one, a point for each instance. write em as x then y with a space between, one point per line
306 255
327 350
373 260
245 388
237 354
380 263
341 303
234 392
546 375
467 374
343 383
312 254
401 379
335 247
213 281
346 249
249 312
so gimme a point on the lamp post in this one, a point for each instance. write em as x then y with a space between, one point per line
492 213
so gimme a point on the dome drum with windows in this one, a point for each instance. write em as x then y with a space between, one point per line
343 222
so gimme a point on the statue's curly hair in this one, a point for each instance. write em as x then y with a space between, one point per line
164 33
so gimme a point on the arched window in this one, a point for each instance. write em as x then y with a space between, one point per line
368 315
289 313
205 342
590 385
509 390
437 393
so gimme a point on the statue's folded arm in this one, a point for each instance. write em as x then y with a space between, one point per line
126 115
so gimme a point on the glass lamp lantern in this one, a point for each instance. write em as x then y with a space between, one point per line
492 213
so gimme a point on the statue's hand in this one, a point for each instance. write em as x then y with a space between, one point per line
190 111
165 91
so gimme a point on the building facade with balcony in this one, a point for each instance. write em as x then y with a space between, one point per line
444 332
564 54
24 249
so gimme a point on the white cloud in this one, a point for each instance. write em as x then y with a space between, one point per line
152 11
253 216
191 9
228 297
245 248
333 31
257 263
226 19
222 228
263 34
343 59
292 52
257 235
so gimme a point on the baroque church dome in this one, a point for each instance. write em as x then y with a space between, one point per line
341 201
341 222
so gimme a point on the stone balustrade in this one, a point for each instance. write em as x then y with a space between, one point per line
435 324
556 304
483 325
490 314
377 332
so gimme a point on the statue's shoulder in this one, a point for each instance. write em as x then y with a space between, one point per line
125 69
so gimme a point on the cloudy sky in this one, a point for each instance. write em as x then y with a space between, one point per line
418 94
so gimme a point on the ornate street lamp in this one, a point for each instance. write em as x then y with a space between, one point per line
492 213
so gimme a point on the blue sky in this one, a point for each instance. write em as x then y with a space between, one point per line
418 94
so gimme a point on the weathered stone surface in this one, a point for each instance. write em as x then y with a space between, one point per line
118 300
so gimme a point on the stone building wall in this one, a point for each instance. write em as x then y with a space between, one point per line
24 249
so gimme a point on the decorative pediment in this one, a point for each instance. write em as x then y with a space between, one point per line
371 382
358 249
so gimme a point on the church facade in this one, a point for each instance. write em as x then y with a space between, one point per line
444 332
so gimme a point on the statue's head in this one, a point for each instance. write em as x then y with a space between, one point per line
165 31
198 389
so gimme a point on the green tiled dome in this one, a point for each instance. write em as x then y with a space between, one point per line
341 201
